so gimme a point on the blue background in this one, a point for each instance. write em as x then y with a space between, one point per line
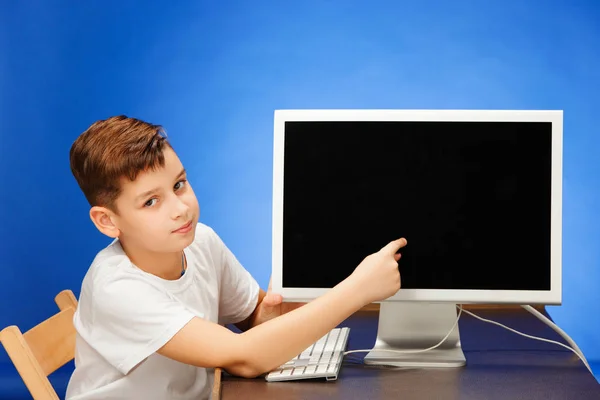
213 74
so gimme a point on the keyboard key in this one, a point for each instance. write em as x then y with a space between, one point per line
331 342
321 369
301 362
311 369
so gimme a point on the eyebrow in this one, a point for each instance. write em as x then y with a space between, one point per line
155 190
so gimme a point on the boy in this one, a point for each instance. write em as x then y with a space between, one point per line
152 305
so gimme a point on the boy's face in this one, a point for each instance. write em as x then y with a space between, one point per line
157 212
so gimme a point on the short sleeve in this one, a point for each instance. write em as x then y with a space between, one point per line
238 295
131 319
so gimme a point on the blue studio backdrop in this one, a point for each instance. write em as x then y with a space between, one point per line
212 73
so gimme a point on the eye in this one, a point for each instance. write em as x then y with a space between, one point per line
150 202
180 185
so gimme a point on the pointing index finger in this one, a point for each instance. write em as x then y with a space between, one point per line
393 246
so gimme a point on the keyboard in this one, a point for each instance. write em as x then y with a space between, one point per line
322 359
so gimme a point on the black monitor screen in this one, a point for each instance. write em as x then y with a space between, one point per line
472 199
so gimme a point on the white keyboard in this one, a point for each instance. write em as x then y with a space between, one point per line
322 359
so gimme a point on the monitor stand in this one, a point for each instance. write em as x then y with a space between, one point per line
414 326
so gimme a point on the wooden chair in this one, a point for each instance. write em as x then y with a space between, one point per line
44 348
48 346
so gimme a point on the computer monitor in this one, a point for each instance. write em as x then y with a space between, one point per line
477 194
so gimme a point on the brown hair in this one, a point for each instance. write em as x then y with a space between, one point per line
112 149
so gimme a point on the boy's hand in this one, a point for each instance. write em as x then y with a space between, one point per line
271 307
377 277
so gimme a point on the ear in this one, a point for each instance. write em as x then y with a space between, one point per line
103 218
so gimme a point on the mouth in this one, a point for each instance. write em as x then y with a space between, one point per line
184 229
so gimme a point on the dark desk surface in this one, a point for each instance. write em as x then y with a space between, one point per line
500 365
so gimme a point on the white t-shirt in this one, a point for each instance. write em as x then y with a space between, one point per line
125 315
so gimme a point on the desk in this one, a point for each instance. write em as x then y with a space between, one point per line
500 365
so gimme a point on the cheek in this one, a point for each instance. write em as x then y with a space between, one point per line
146 224
138 226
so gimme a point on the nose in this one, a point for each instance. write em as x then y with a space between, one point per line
180 208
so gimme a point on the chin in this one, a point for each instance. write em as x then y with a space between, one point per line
189 239
175 244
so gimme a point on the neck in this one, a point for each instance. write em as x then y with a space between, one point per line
164 265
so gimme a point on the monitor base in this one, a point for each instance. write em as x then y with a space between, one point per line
411 327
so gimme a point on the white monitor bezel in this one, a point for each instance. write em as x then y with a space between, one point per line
551 297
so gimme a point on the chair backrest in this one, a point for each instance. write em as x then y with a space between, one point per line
44 348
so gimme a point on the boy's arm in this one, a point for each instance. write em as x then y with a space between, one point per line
265 347
249 322
268 345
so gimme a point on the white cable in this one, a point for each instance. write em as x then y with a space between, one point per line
531 337
536 313
558 330
412 351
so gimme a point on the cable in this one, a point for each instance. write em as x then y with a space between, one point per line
412 351
533 337
558 330
533 311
